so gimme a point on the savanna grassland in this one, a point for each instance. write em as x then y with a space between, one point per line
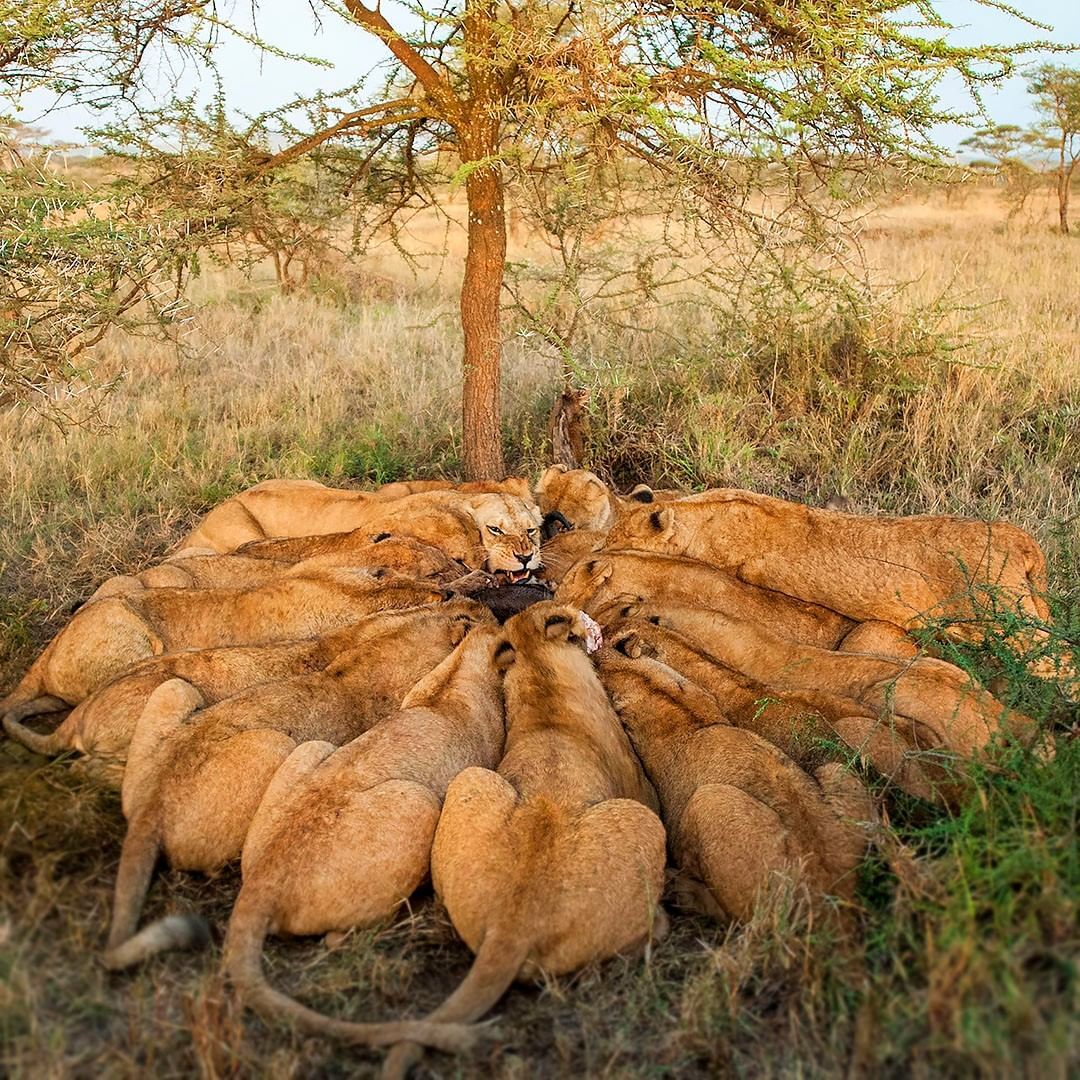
957 392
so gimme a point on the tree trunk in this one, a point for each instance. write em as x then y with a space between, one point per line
480 298
1063 190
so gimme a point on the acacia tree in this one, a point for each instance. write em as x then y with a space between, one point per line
1057 94
700 92
689 89
1004 149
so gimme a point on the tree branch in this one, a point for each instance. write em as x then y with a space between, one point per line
350 122
434 84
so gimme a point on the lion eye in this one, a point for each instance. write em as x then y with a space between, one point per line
494 531
534 532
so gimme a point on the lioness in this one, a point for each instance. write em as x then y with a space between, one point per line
103 724
496 533
195 778
108 636
737 809
582 497
512 485
556 859
190 569
441 518
906 571
564 550
613 577
800 723
953 713
342 838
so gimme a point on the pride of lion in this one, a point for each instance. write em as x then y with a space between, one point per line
563 707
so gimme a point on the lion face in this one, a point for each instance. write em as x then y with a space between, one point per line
649 528
581 496
510 532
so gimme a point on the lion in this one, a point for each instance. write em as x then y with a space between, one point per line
196 775
512 485
342 837
953 713
738 810
613 577
581 496
279 508
564 550
285 509
499 534
800 723
557 859
102 726
106 637
910 571
195 568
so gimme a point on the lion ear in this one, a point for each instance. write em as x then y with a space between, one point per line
460 627
504 655
629 645
642 494
557 627
662 521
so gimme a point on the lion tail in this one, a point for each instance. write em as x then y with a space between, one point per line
49 743
128 945
30 698
247 931
496 965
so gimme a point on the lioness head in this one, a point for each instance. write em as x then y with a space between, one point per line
585 500
647 528
510 532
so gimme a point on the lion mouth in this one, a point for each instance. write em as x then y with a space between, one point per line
512 577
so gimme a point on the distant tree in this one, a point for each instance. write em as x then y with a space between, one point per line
1008 149
1057 94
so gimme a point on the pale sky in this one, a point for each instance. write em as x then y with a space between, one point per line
255 81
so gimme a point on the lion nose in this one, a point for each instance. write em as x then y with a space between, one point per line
525 559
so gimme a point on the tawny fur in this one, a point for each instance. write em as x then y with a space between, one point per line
105 638
953 713
613 577
556 859
738 810
343 837
580 496
800 723
512 485
562 552
247 569
195 775
903 570
460 525
103 724
495 533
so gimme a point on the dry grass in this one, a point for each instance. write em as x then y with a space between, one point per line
967 965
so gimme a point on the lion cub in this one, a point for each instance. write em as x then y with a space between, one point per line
797 722
343 837
195 569
945 708
737 809
903 570
105 638
195 778
103 724
615 576
556 859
